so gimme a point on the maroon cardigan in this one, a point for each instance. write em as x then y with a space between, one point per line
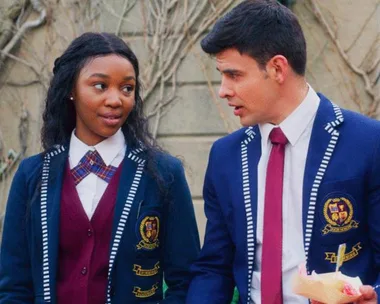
84 245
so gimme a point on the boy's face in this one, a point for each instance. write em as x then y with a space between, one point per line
247 87
104 95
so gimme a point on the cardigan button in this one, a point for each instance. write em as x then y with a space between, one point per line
84 270
89 232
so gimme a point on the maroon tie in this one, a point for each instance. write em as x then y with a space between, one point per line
271 264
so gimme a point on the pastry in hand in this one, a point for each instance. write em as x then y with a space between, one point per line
331 288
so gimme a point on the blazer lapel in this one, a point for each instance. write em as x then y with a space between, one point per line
130 181
51 186
250 156
323 140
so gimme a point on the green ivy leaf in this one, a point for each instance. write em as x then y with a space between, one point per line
287 3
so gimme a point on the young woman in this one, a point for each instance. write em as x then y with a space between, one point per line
102 215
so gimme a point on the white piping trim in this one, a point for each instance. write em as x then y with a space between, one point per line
248 208
124 217
45 234
320 173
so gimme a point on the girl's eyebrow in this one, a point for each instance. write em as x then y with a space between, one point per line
101 75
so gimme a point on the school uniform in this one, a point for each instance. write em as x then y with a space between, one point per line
335 200
71 236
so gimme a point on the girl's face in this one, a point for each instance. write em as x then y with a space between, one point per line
104 95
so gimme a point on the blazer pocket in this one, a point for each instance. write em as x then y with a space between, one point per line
148 228
340 211
146 207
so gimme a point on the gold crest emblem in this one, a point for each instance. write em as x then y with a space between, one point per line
145 293
332 257
338 213
149 230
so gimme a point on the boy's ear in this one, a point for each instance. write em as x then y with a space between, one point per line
277 68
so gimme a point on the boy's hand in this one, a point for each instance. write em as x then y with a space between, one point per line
369 296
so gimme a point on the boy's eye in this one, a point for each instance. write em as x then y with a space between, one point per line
100 86
232 76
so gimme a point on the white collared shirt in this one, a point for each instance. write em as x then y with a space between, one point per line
92 187
297 128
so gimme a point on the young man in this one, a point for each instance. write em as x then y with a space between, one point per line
301 177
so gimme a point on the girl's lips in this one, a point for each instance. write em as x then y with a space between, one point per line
111 120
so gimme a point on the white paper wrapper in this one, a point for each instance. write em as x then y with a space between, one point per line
327 288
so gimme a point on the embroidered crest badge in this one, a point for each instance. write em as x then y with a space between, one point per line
332 257
338 213
146 272
139 293
148 231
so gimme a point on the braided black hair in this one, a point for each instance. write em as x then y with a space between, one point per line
59 117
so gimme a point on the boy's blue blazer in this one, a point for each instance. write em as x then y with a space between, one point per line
29 251
341 204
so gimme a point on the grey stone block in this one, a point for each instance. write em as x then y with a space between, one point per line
196 111
194 151
112 13
196 66
201 218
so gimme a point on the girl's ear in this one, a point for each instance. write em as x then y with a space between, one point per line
72 95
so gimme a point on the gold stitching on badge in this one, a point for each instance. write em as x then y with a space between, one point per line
149 230
332 257
146 272
145 293
338 213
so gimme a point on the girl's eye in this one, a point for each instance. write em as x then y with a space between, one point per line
100 86
128 89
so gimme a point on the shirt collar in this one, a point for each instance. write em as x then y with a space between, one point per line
295 124
108 148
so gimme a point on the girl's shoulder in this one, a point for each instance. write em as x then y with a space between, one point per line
167 162
31 166
32 162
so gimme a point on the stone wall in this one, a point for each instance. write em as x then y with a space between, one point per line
197 117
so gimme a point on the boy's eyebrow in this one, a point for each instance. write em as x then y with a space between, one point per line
228 71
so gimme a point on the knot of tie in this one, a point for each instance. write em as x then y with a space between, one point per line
276 136
92 162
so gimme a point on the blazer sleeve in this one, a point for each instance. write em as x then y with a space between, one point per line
16 285
373 214
181 239
212 281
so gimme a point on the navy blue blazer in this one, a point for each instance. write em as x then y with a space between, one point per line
137 263
341 204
